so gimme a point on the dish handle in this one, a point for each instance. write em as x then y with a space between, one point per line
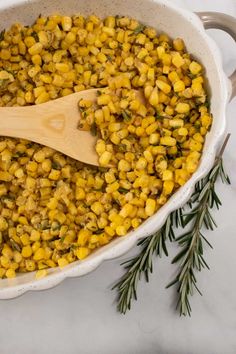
223 22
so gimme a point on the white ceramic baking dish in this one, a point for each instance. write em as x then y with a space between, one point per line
177 22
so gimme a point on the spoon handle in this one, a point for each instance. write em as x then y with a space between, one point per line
19 122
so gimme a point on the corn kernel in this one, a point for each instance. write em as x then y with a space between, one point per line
54 175
168 187
124 165
35 49
121 230
35 235
141 163
126 210
152 128
82 252
30 265
163 86
62 262
5 176
39 254
168 141
26 251
66 23
150 207
154 98
195 68
183 131
105 158
83 237
167 175
179 86
41 274
182 107
52 204
10 273
177 60
97 208
178 44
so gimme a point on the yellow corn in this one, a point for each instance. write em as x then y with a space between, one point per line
121 230
41 274
182 108
179 86
183 131
195 68
26 251
66 23
62 262
105 158
153 98
168 187
168 141
177 60
163 86
124 165
82 252
39 254
10 273
147 148
150 206
178 44
35 49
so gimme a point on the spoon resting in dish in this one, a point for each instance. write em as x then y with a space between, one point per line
53 124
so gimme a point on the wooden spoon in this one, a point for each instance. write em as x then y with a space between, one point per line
54 124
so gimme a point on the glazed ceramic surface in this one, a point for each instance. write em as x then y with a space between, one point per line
165 17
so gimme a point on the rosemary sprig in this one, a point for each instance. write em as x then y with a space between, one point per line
191 257
143 262
203 199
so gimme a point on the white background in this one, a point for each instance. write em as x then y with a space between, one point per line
79 316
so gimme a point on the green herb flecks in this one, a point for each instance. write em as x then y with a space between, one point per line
2 33
123 190
140 28
94 129
56 165
126 115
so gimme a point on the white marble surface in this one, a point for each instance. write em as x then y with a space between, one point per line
79 316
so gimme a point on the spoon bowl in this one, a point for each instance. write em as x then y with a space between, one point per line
53 124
